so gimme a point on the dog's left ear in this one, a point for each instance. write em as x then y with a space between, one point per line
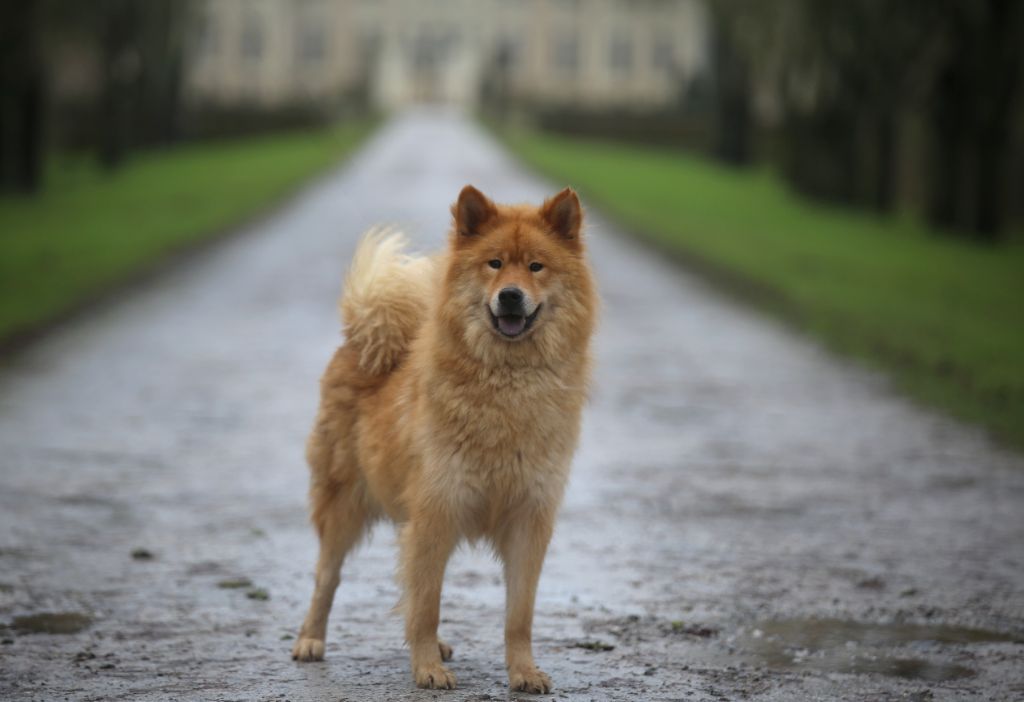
564 215
471 210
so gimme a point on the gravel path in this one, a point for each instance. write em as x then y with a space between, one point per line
749 517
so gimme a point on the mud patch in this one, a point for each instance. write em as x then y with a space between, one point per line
681 627
838 646
205 568
52 623
596 646
635 629
234 583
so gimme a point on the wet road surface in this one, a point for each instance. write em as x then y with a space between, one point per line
749 517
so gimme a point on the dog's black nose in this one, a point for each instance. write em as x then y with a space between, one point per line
510 297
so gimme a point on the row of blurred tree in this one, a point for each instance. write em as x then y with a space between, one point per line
139 48
851 80
879 104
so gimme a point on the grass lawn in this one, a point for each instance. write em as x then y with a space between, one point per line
89 230
944 318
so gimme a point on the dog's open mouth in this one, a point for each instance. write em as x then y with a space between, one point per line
513 325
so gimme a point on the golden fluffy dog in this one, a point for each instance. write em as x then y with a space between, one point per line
453 409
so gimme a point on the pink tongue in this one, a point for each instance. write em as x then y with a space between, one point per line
511 326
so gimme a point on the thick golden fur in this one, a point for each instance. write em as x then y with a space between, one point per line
432 418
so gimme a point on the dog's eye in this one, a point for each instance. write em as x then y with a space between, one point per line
536 266
494 263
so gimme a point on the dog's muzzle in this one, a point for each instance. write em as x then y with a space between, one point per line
512 312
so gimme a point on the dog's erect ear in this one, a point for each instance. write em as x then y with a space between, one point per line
471 210
564 215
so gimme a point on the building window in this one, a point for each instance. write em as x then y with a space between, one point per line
509 54
369 46
620 55
311 43
252 41
208 36
662 55
424 49
567 53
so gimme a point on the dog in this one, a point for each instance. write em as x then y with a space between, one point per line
453 409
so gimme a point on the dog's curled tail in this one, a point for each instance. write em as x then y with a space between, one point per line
382 304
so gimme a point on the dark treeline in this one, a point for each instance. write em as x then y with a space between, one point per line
884 105
109 76
131 57
854 81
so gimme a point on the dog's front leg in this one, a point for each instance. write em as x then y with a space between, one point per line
522 548
427 542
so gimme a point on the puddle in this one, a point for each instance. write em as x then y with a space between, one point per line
52 623
838 646
830 633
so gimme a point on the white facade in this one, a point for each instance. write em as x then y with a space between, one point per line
599 53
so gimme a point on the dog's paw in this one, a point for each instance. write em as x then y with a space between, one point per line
308 650
529 680
434 676
446 650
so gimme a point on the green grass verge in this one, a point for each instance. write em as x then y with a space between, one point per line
942 316
89 230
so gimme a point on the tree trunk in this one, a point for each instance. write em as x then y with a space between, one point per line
119 72
945 165
732 92
1002 68
948 140
113 125
22 98
972 113
988 214
30 153
885 163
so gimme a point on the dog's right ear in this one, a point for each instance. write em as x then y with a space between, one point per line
471 210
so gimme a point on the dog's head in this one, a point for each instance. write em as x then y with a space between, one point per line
517 271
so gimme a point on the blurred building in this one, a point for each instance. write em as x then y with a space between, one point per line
585 53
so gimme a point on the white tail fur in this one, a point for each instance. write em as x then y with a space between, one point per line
385 299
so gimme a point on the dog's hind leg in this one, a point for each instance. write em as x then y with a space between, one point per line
340 516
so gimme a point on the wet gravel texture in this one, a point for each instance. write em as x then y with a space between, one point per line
749 517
